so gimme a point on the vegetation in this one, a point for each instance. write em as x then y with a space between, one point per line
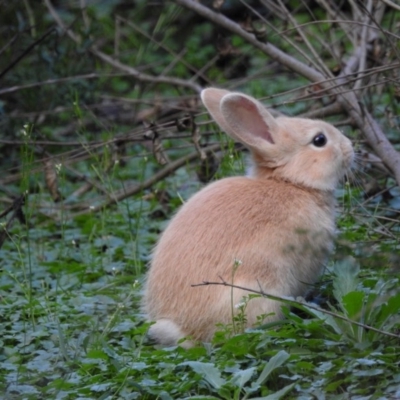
103 138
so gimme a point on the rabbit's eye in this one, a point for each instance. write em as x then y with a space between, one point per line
320 140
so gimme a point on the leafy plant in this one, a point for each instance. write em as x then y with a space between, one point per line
103 138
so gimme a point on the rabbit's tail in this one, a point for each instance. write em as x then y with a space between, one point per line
167 333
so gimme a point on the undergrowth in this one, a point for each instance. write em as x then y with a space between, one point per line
78 156
72 326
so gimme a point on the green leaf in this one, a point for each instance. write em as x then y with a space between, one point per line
209 372
277 395
276 361
345 278
353 303
389 309
201 398
240 378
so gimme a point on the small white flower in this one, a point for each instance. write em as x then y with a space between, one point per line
240 305
91 207
238 262
58 167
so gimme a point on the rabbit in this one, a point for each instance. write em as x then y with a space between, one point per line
270 231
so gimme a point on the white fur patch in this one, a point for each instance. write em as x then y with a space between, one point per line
168 333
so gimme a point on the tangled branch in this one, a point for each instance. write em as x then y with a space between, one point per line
348 100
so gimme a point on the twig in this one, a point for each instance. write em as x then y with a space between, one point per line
117 64
371 130
391 4
296 302
297 48
197 73
144 77
59 80
167 170
16 208
363 49
332 109
311 48
334 13
336 21
26 51
269 49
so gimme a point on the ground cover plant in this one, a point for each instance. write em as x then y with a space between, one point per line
103 137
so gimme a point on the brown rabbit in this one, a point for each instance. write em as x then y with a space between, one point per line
275 227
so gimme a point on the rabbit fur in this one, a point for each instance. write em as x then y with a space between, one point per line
275 228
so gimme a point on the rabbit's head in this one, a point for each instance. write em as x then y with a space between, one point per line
306 152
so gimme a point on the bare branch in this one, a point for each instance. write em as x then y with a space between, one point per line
268 48
391 4
59 80
371 130
364 40
117 64
333 109
144 77
167 170
318 59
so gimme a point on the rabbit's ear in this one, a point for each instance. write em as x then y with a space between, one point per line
211 98
248 121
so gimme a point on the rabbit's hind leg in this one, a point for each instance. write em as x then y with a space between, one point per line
258 309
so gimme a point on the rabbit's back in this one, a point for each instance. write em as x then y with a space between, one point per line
249 231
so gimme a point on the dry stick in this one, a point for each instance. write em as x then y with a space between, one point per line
164 47
90 183
391 4
336 84
322 93
26 51
289 41
117 64
128 192
267 48
334 14
144 77
327 111
271 6
74 155
298 29
308 305
336 21
9 43
16 207
365 39
59 80
85 149
371 130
